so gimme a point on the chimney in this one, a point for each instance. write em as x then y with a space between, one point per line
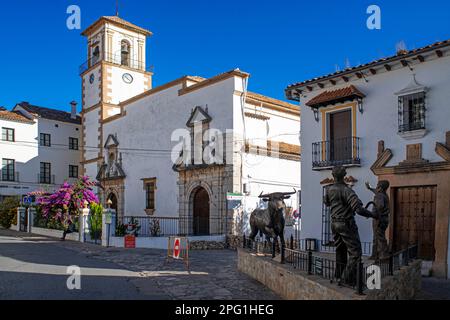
73 112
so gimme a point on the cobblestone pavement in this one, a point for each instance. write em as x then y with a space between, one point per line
213 274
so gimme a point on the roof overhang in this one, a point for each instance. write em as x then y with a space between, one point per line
342 95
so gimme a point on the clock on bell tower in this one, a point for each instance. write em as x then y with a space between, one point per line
114 72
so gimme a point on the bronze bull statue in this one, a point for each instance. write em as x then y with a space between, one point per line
270 221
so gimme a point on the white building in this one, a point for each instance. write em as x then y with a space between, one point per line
128 128
384 120
39 149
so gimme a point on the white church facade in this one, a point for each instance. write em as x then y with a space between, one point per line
177 150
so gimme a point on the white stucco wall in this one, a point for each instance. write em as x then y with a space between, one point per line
91 126
378 122
92 90
123 91
148 125
150 122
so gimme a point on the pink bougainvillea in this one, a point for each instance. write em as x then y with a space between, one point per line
70 198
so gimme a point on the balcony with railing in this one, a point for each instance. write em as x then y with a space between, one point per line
116 59
46 179
338 152
9 177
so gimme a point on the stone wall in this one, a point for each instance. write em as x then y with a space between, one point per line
291 284
207 245
404 285
234 242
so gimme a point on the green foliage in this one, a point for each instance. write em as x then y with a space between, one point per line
155 228
95 221
47 222
8 212
121 230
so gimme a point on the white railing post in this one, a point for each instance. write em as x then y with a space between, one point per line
20 215
84 221
108 226
31 215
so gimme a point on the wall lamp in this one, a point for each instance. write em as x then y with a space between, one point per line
360 105
316 114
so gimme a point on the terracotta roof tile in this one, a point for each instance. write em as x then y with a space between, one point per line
338 95
119 21
14 116
51 114
400 55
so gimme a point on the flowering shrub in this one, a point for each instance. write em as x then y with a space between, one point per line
69 199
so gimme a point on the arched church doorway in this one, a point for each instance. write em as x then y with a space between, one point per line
201 212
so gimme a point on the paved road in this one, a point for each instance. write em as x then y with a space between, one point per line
34 267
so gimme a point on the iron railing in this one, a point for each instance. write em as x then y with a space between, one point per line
9 177
305 244
331 153
411 112
314 264
117 60
46 179
168 226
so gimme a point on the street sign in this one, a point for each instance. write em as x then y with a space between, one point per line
108 218
177 248
27 201
130 242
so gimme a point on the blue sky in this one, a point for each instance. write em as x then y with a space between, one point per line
279 41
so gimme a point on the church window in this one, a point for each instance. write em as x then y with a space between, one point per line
125 53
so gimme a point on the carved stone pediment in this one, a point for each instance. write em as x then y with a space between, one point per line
112 169
199 115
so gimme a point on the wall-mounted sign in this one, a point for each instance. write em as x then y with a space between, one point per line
130 242
235 197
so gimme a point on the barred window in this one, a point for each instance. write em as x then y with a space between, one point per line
411 112
45 140
8 134
73 143
73 171
150 189
46 173
8 170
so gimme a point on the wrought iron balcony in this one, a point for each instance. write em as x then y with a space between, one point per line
344 152
6 176
117 60
46 179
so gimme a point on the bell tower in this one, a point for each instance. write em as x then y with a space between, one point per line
114 72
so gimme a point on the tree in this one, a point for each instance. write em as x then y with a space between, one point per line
68 200
8 212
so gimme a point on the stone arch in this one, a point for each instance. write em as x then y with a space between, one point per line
200 204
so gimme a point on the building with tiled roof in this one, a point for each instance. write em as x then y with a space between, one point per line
384 120
50 114
39 149
14 116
